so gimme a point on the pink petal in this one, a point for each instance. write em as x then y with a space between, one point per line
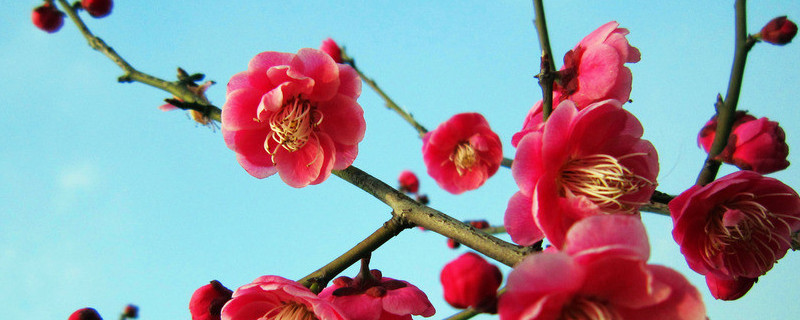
519 222
239 111
408 300
683 303
318 66
299 168
350 82
342 119
605 235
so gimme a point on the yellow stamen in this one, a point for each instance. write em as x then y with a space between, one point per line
603 180
588 309
464 157
293 125
290 311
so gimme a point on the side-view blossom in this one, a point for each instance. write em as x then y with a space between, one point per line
462 152
779 31
274 297
377 298
471 281
408 181
295 115
85 314
47 17
580 163
735 228
754 144
207 301
602 273
332 49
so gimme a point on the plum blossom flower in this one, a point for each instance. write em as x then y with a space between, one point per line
462 152
408 181
295 115
207 301
579 164
602 273
377 298
274 297
471 281
735 228
85 314
332 49
754 144
779 31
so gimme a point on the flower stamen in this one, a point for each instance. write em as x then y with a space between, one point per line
603 180
582 308
464 157
290 311
293 125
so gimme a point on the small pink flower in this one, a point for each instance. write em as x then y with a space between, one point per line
408 181
295 115
779 31
97 8
462 152
471 281
735 228
207 301
47 17
754 144
332 49
274 297
601 274
579 164
377 298
85 314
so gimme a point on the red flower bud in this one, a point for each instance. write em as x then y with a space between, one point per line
47 17
452 244
332 49
97 8
754 144
130 311
779 31
408 182
85 314
479 224
423 199
471 281
207 301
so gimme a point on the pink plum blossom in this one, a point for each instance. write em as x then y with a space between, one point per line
295 115
274 297
580 163
471 281
735 228
601 274
754 144
377 298
207 301
462 152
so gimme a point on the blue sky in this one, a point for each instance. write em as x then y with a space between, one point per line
109 201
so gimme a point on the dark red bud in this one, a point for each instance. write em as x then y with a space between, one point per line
779 31
47 17
85 314
97 8
452 244
130 311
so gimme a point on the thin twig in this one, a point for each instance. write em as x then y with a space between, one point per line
727 110
180 91
548 67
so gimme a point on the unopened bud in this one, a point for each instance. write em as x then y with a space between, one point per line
47 17
779 31
97 8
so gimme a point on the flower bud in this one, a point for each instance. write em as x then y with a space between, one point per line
332 49
471 281
47 17
408 182
207 301
423 199
85 314
452 243
779 31
479 224
754 144
97 8
130 311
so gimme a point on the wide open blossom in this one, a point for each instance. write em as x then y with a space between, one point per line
274 297
602 273
754 144
579 164
462 152
294 114
735 228
377 298
593 71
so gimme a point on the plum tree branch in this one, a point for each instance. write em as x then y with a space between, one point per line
193 100
548 67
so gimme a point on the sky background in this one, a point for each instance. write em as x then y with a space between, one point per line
107 200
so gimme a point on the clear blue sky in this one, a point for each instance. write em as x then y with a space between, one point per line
108 201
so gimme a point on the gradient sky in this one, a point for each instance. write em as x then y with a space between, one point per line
109 201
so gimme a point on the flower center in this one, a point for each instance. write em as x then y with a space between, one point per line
464 157
290 311
603 180
744 225
293 125
588 309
